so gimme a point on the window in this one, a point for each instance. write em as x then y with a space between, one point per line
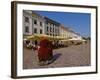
26 19
47 28
40 31
26 29
35 21
40 23
53 29
35 30
50 29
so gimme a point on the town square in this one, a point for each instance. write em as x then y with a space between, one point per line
72 56
45 38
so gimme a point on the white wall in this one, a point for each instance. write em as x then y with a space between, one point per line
27 24
5 41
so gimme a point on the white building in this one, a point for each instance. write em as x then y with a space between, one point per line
32 23
64 32
35 24
75 36
38 23
51 27
27 22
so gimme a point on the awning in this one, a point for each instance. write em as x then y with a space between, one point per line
43 36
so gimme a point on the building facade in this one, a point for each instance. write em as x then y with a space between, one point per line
32 23
35 24
27 22
75 36
64 32
51 27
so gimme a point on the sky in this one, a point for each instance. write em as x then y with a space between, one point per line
78 22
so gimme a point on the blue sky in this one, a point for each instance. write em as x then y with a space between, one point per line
79 22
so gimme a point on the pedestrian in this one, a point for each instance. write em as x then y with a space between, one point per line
34 48
43 52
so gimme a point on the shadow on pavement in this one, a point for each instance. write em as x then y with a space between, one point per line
55 57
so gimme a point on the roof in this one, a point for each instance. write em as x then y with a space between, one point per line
51 21
36 14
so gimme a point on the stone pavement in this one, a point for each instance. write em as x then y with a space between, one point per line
72 56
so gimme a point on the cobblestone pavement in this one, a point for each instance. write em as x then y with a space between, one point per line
74 55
